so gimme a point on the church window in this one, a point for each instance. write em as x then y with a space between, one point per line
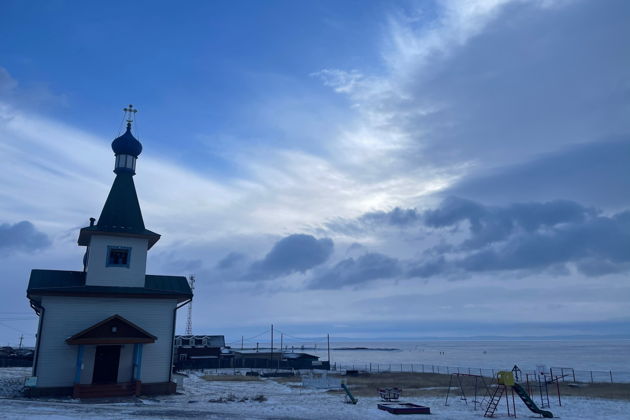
118 256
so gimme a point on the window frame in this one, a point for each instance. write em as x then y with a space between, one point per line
111 248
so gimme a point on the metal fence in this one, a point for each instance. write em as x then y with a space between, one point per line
564 374
250 363
14 362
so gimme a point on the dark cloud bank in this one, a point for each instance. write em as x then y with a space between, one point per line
553 237
294 253
21 236
595 173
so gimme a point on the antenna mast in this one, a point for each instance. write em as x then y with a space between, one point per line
189 320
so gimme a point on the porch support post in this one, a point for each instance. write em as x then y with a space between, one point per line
77 373
137 361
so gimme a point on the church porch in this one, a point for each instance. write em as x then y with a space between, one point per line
109 358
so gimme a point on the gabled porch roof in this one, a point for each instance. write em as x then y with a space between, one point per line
112 330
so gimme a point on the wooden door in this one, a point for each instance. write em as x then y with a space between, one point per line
106 365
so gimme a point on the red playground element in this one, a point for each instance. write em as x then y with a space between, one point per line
404 408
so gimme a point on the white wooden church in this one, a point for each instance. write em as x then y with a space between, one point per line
109 329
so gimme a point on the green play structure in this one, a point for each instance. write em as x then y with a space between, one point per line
505 380
520 391
351 398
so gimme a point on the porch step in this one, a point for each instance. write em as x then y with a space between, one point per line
106 390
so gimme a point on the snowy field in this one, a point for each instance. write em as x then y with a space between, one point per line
239 400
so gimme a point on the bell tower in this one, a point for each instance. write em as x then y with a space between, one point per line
117 244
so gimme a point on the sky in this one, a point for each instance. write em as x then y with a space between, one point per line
364 169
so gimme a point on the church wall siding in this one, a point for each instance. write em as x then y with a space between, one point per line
126 361
98 274
88 364
66 316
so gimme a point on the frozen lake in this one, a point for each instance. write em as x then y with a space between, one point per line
604 355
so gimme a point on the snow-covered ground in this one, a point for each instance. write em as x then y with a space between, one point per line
200 399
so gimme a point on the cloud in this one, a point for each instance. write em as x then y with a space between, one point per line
351 271
593 173
21 236
489 85
460 237
294 253
596 245
397 217
7 83
493 224
230 260
531 236
428 268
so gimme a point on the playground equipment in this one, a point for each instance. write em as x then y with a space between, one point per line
349 397
404 408
538 384
389 394
505 384
476 384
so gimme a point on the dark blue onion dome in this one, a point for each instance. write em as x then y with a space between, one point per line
127 144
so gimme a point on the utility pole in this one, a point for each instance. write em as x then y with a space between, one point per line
280 355
241 342
271 354
328 341
189 320
21 338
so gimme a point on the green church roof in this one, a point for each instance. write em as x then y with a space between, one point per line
121 214
69 283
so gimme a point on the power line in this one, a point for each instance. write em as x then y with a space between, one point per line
250 338
16 329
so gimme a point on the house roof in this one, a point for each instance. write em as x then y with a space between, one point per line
112 330
121 214
211 340
72 283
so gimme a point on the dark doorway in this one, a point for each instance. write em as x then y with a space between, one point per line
106 364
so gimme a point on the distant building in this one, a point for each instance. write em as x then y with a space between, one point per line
190 347
109 329
282 359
